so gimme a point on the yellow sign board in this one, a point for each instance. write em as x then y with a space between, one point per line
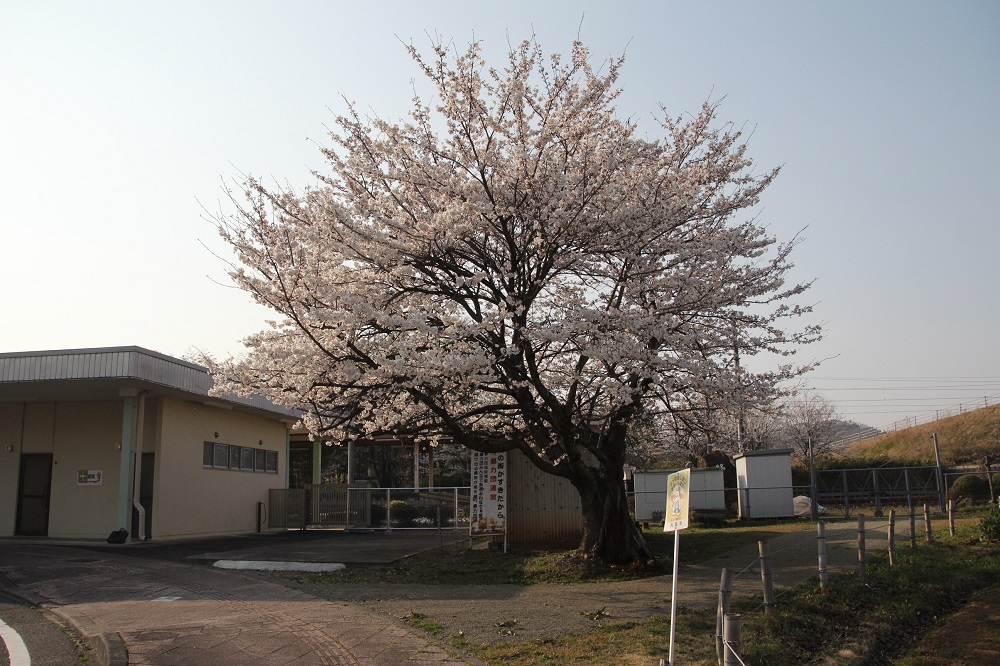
678 494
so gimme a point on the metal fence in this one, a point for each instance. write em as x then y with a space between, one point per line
876 490
409 509
361 507
847 492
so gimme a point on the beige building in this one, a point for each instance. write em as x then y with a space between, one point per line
93 440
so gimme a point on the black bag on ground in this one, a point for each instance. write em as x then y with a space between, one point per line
118 536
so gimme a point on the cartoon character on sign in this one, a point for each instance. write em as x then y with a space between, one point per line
676 500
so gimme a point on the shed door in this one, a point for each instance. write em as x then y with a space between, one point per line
33 495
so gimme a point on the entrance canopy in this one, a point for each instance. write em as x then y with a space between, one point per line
103 374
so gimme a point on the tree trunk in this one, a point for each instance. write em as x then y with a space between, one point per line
609 533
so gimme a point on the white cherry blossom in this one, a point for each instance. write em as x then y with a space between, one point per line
515 267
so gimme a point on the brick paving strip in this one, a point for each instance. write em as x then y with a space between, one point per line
170 613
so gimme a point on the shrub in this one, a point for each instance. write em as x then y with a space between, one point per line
989 526
970 486
402 513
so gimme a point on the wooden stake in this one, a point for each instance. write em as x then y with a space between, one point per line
951 517
821 547
861 546
892 537
913 529
725 593
765 576
733 639
927 522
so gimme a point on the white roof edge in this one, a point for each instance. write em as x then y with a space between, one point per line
105 350
763 452
181 380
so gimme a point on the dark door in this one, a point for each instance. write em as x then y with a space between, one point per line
145 495
33 495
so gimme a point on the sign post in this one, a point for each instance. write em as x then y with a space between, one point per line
489 495
678 503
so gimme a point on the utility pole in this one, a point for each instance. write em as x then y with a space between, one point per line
812 480
740 424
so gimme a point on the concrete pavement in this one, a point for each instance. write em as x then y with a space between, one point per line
139 608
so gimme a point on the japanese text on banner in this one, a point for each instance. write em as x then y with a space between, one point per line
489 493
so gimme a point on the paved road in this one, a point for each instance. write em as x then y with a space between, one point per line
31 635
145 600
170 613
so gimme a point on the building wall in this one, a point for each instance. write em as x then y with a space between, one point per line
707 492
765 482
544 509
188 500
191 500
80 436
86 436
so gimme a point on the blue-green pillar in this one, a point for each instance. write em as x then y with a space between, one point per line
126 469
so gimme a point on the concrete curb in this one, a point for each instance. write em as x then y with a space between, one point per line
108 646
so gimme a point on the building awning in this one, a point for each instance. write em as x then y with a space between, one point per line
104 373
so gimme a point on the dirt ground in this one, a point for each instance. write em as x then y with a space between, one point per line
489 613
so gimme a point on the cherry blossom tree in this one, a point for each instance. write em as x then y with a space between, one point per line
810 421
515 267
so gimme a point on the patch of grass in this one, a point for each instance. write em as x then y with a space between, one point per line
963 438
424 623
625 644
705 542
857 621
972 635
874 619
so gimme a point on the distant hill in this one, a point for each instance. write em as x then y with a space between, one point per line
963 439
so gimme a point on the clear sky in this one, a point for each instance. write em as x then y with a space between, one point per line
121 122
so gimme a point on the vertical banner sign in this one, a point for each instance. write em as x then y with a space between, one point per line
678 487
489 493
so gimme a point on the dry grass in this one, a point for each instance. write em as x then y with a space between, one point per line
965 438
970 636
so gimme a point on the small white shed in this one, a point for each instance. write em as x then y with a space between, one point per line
707 493
764 480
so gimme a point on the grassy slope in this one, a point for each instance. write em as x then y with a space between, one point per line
963 439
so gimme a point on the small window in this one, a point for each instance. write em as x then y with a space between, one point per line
234 457
246 459
260 460
207 454
272 462
221 456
